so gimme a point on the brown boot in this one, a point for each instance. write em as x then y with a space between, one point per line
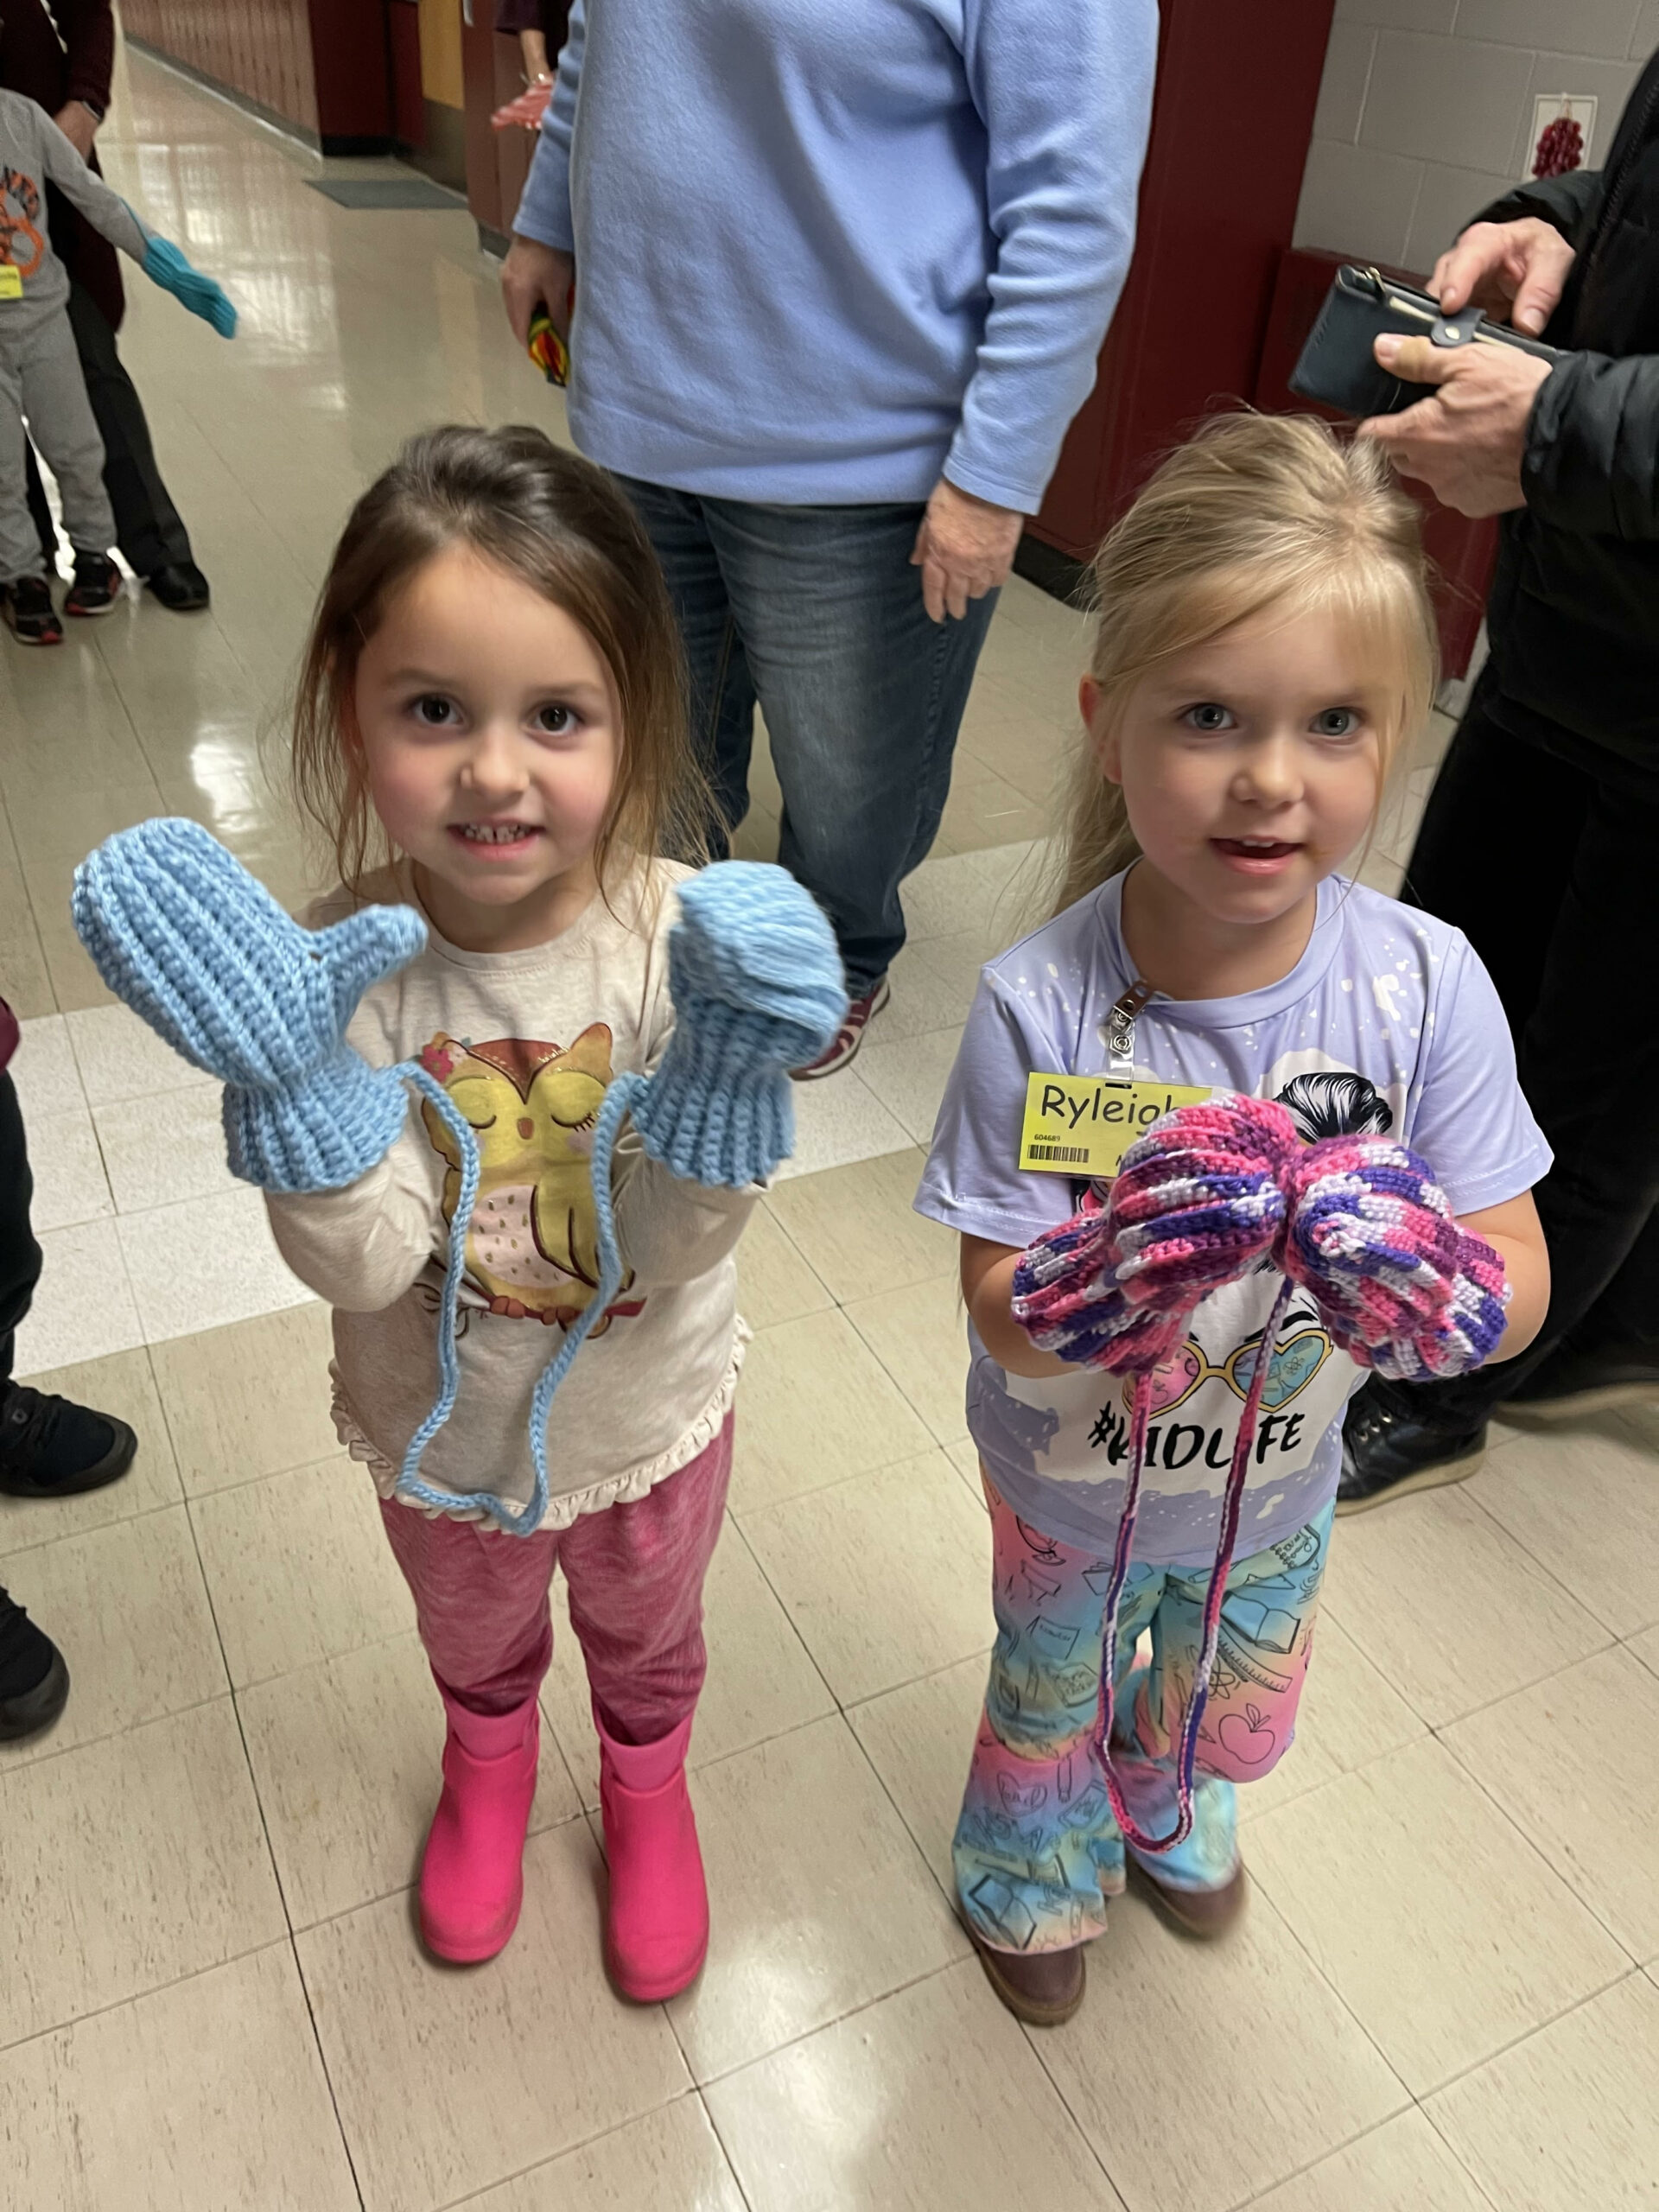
1043 1987
1203 1913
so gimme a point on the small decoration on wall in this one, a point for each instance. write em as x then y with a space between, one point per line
1561 148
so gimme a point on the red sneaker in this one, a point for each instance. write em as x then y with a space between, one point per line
849 1037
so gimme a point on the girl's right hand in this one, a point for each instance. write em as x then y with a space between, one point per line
179 930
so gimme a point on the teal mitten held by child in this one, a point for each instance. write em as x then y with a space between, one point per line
166 265
181 932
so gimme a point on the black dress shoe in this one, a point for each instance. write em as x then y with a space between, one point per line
1390 1449
181 586
51 1447
1571 1384
34 1680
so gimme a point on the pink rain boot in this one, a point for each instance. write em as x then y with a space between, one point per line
657 1921
472 1875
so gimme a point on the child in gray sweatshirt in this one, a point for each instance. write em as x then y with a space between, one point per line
40 371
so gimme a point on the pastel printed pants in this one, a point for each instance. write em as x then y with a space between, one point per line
1037 1849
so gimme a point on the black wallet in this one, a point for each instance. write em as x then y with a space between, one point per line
1337 366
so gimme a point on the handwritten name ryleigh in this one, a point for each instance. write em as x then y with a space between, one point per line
1106 1102
1178 1444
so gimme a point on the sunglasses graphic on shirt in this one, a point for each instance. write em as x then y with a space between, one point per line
1295 1362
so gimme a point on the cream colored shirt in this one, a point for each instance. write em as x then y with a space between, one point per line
525 1044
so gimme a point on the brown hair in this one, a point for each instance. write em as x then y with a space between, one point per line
561 525
1253 512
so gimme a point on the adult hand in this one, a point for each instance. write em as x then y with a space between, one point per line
963 549
1467 439
1510 271
533 275
79 125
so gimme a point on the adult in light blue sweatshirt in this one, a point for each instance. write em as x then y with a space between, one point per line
843 269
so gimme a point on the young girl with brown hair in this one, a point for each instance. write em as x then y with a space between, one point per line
489 730
1264 645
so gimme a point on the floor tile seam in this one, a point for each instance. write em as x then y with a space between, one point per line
1566 1880
1547 1572
1263 1895
282 1941
839 1482
50 1757
140 1995
1331 1607
703 2084
943 1443
147 1512
271 1475
738 1531
1429 2098
1260 2196
301 1926
690 2094
241 1731
783 1228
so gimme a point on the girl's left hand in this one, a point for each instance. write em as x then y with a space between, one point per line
964 548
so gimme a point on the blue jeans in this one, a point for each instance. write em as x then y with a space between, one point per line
817 612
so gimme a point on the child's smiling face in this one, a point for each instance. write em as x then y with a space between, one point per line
1251 765
491 738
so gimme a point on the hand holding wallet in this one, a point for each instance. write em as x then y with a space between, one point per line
1338 367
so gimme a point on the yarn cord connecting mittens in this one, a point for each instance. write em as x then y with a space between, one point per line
1206 1195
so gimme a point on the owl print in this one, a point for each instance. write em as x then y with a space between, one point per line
531 1246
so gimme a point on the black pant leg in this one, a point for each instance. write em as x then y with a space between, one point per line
1554 877
20 1256
147 525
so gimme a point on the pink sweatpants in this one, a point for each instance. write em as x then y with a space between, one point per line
635 1575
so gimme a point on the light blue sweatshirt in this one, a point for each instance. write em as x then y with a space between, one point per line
828 249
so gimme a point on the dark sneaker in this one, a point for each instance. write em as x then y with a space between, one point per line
180 586
96 587
1569 1385
34 1680
51 1447
30 615
849 1037
1203 1913
1042 1988
1389 1450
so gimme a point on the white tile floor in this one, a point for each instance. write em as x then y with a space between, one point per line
1443 1997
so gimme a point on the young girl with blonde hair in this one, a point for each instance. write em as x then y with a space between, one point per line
490 730
1264 646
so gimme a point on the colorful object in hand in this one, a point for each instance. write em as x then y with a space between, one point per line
548 350
1208 1194
164 265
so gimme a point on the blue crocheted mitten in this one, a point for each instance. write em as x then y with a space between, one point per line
165 265
757 985
180 930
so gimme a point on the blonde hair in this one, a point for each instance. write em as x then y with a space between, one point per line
564 528
1254 511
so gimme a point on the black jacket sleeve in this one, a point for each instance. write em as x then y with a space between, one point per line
1592 462
1565 203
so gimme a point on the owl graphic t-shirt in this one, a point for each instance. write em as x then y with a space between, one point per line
1388 1024
525 1045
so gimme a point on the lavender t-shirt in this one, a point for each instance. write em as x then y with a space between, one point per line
1388 1023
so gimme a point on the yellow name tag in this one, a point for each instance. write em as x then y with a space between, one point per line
1083 1124
11 281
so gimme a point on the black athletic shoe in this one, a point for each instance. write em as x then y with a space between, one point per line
96 587
51 1447
1570 1385
180 586
30 615
34 1680
1389 1450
